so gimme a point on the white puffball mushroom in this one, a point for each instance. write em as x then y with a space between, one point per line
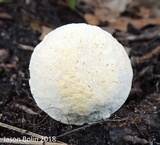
81 73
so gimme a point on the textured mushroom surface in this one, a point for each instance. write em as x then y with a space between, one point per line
80 74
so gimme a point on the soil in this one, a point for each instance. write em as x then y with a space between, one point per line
136 122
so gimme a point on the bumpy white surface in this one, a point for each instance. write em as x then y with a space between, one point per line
80 72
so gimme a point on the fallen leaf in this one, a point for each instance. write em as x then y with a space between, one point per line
109 10
122 23
116 5
146 3
144 22
135 139
5 16
91 19
105 15
153 5
45 31
144 12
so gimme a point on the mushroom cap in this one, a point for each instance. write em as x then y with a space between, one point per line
80 74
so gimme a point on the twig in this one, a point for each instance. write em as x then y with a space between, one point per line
25 47
138 127
83 127
23 131
27 142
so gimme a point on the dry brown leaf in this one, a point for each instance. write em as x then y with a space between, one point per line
122 23
135 139
144 22
45 31
153 5
144 12
91 19
147 3
116 5
5 16
109 10
104 15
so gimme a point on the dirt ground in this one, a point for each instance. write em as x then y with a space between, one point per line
135 24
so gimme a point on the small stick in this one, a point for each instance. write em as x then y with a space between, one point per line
23 131
27 142
83 127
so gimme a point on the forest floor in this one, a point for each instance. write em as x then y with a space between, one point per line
135 24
